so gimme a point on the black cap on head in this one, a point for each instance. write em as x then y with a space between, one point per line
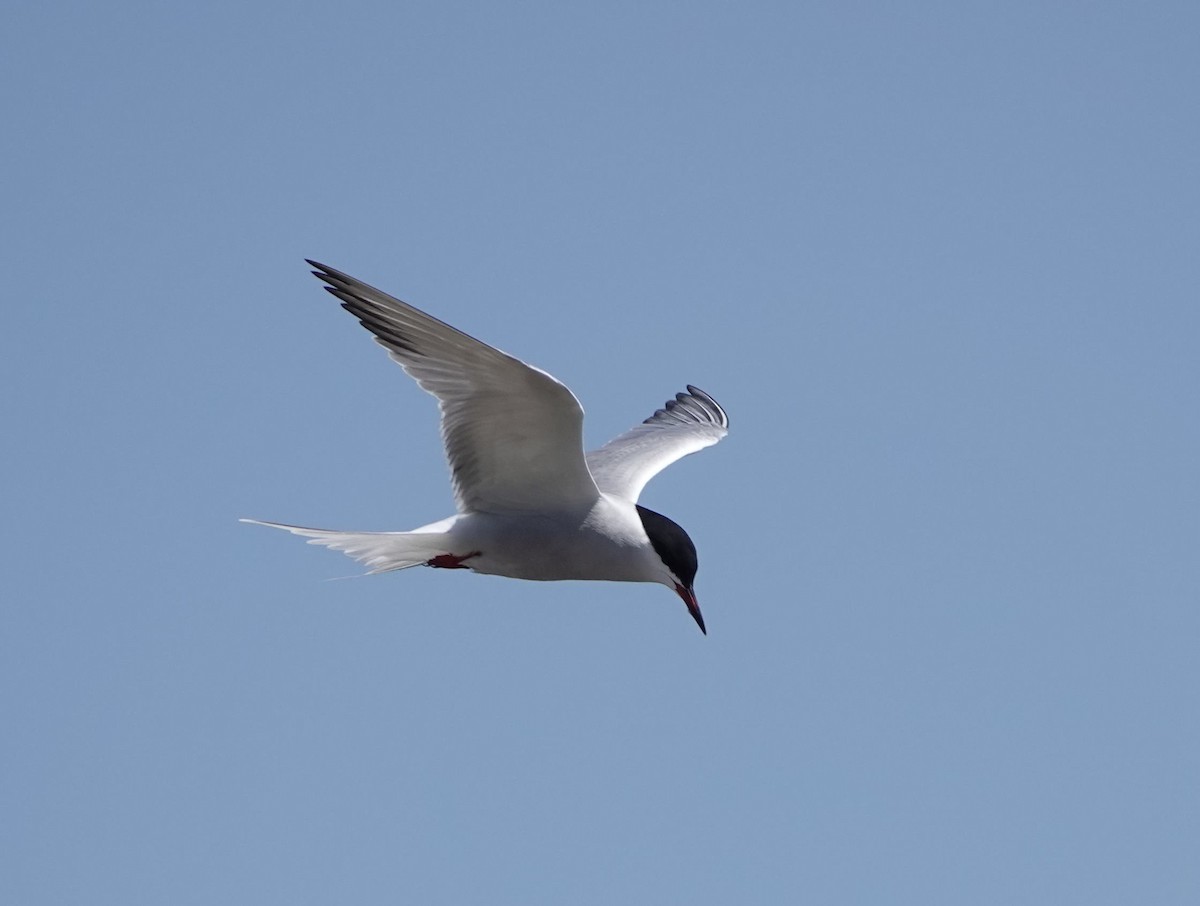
672 545
676 550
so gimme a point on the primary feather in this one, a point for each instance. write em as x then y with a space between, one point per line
690 422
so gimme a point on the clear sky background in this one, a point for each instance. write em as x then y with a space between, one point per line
937 260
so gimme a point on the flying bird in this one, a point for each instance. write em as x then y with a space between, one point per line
531 503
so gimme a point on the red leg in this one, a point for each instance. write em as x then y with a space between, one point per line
451 561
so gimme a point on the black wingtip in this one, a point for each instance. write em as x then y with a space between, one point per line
326 273
700 394
693 407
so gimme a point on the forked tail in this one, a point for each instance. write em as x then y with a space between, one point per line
380 551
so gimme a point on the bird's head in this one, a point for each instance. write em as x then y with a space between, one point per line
678 555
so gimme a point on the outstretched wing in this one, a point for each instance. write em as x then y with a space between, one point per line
690 422
513 433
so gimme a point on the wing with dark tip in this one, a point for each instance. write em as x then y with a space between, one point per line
690 422
513 433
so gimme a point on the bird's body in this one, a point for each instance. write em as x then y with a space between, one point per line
532 504
605 542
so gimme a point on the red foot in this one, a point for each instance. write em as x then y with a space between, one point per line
451 561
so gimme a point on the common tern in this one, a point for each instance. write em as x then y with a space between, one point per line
531 503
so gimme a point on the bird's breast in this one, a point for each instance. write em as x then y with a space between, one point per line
553 547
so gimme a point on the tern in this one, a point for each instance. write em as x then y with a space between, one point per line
531 503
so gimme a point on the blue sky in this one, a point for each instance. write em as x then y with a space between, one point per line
938 261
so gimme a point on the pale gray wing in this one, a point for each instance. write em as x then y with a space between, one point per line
513 433
690 422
